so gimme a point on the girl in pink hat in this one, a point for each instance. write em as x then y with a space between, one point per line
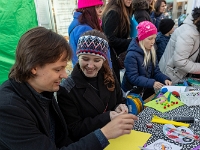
86 17
142 73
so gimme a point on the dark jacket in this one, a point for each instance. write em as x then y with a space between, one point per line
156 19
161 43
142 15
82 108
25 123
136 74
117 41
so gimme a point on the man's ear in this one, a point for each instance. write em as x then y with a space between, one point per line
34 70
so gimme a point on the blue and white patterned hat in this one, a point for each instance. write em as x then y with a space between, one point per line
92 45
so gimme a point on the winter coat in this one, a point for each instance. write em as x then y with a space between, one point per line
181 52
161 43
83 109
156 19
136 73
142 15
75 31
25 121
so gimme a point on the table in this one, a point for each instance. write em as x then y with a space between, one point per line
146 115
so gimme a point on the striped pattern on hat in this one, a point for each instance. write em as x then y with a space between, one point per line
92 45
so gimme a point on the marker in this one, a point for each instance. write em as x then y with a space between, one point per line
182 119
163 147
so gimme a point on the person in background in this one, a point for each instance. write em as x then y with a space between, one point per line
151 5
30 118
181 54
94 96
142 69
86 17
166 28
158 14
141 10
116 25
181 18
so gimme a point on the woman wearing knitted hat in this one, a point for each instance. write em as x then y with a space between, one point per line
86 17
142 69
116 26
92 96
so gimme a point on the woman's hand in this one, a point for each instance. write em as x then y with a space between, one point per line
122 108
167 82
123 124
157 85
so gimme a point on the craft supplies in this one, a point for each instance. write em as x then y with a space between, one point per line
185 134
157 119
149 125
181 134
163 147
165 102
183 119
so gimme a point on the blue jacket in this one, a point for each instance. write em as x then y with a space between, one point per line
75 31
161 42
156 19
136 74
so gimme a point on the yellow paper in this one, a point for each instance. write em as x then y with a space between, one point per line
157 119
129 141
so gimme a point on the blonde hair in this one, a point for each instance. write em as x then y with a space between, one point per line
151 55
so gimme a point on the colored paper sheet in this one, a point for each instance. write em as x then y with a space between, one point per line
130 141
157 119
156 103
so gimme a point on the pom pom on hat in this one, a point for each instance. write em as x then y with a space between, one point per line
89 3
166 25
146 29
92 45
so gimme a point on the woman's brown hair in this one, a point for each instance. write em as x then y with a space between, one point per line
124 12
89 17
109 79
38 47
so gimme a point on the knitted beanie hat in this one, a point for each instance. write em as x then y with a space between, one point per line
92 45
89 3
146 29
166 25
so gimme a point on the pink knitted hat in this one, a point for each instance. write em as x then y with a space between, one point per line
146 29
89 3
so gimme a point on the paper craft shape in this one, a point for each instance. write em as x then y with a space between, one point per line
129 141
157 145
165 103
196 148
181 134
157 119
179 89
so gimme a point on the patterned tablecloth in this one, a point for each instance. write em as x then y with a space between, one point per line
157 131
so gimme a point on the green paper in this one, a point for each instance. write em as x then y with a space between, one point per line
160 107
17 16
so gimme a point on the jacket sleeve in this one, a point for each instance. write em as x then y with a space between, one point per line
183 49
77 126
110 29
120 97
19 130
159 76
132 72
